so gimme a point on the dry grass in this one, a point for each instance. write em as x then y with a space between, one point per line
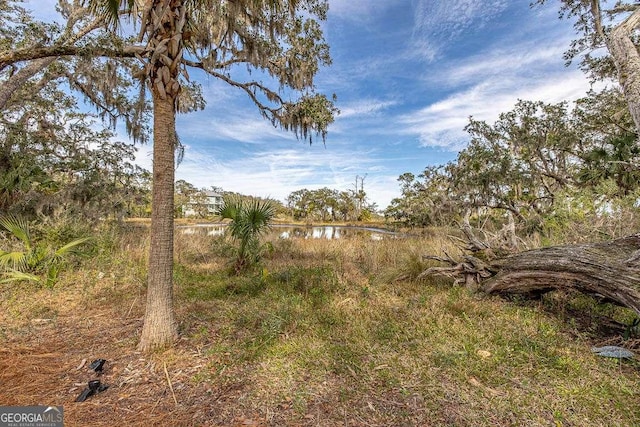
322 334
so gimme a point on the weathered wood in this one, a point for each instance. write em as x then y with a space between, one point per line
609 269
621 46
606 269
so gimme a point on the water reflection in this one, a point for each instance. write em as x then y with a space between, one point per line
328 232
203 229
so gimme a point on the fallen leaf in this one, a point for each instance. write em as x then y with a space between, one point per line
474 382
81 364
483 353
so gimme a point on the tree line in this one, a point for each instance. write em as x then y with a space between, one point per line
328 205
324 204
545 166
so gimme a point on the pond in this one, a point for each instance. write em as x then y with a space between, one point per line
287 231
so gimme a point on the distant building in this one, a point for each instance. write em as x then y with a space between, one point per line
204 204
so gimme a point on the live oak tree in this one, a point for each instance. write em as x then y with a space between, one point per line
35 55
608 148
607 47
428 199
519 163
610 270
280 40
52 158
610 26
54 162
325 204
516 165
543 164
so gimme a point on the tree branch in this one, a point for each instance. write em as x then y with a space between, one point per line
86 91
28 54
8 87
250 89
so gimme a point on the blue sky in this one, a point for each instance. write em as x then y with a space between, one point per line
408 74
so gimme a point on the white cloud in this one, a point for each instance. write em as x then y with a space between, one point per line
277 173
442 123
522 60
242 127
247 130
437 22
364 107
452 17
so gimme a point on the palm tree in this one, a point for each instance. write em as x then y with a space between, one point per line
279 38
249 219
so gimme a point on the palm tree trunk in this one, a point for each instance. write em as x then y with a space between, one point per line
160 328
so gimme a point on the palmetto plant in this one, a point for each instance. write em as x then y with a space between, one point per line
29 260
249 219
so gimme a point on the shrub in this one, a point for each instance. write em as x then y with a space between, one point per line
249 220
29 260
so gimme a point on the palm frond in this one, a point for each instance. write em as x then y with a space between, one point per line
18 276
13 260
71 247
228 212
18 227
231 207
110 10
258 216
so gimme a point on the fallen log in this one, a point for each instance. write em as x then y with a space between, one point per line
605 269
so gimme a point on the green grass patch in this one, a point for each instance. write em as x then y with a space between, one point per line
337 331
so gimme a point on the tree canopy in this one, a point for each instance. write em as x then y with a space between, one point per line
539 163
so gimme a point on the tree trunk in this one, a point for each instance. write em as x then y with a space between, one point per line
627 59
160 327
607 269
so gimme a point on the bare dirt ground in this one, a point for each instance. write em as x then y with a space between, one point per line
47 363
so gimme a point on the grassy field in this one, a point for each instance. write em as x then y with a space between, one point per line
323 333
